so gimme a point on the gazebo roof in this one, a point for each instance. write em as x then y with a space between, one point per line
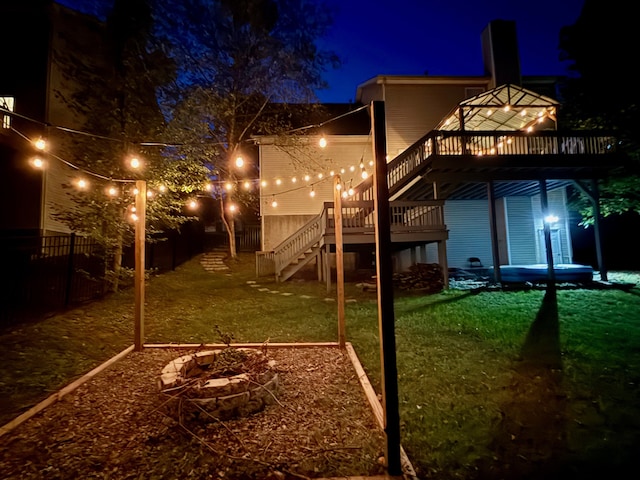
508 107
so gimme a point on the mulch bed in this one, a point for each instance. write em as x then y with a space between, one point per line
115 426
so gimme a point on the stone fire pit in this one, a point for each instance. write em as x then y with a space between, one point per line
219 384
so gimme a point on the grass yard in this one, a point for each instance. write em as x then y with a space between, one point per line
492 385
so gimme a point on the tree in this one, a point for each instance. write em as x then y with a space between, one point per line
245 67
115 81
601 93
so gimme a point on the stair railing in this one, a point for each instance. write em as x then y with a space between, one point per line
299 242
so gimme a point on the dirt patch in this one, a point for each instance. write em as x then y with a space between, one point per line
113 426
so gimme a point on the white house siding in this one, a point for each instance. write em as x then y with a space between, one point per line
414 110
295 204
60 88
280 227
415 105
521 235
469 233
557 200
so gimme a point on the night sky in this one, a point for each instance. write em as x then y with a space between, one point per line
411 37
441 37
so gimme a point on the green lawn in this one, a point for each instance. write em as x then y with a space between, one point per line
494 384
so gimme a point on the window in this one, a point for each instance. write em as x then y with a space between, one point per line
6 103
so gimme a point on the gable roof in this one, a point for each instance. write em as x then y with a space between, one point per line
508 107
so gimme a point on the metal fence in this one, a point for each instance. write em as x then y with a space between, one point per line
43 275
48 273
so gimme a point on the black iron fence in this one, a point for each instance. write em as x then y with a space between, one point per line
47 274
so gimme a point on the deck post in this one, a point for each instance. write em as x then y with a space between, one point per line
386 320
551 274
495 251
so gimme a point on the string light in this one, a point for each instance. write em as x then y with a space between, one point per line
134 162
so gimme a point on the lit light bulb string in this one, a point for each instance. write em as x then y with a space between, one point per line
209 185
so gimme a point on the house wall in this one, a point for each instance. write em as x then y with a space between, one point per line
40 33
60 89
557 201
415 105
295 205
469 234
520 231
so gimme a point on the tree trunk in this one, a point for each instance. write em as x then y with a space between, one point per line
117 264
231 230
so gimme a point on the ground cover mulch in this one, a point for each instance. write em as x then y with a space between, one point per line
115 426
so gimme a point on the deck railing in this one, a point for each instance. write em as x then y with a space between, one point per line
357 217
493 143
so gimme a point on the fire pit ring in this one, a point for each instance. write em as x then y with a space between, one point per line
196 393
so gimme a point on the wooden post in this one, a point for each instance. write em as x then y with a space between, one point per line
141 208
493 222
337 216
384 270
551 273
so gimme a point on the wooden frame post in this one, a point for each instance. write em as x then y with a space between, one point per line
141 208
384 267
337 216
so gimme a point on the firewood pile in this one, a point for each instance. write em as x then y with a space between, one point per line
425 277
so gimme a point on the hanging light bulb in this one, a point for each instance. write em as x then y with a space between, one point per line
112 192
312 193
37 162
82 183
40 144
239 161
247 185
228 186
232 208
274 203
322 142
134 162
193 204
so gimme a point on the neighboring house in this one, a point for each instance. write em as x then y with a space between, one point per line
460 188
34 87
